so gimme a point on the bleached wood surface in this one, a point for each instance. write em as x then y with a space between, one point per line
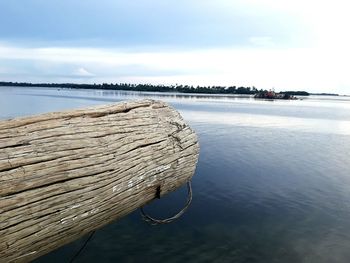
65 174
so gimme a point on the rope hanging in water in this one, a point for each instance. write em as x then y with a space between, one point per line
154 221
77 254
148 218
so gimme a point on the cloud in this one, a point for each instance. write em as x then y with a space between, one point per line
82 73
267 43
316 70
175 24
139 23
262 41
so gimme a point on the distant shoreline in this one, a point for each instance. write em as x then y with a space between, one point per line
145 87
326 94
161 88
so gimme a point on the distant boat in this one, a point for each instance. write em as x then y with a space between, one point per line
271 95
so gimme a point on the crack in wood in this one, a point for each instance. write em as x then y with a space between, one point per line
85 168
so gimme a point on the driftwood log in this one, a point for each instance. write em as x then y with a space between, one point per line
65 174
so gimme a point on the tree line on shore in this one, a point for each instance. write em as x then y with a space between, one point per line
151 87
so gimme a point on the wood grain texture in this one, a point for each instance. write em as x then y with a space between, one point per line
65 174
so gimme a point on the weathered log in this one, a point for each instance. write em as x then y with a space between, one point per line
65 174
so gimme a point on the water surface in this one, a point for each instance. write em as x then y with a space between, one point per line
272 183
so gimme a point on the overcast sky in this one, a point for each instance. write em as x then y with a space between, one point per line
281 44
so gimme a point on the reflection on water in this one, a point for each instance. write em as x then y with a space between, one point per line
268 121
272 182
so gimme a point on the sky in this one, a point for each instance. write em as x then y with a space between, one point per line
280 44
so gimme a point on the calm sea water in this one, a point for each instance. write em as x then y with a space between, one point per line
272 182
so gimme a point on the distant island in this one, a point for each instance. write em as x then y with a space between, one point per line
155 88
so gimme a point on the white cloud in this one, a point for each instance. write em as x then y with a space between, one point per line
82 72
262 41
312 69
327 21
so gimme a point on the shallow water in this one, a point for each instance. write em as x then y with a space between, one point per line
272 183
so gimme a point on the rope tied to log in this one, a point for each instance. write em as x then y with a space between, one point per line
148 218
87 167
77 254
154 221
